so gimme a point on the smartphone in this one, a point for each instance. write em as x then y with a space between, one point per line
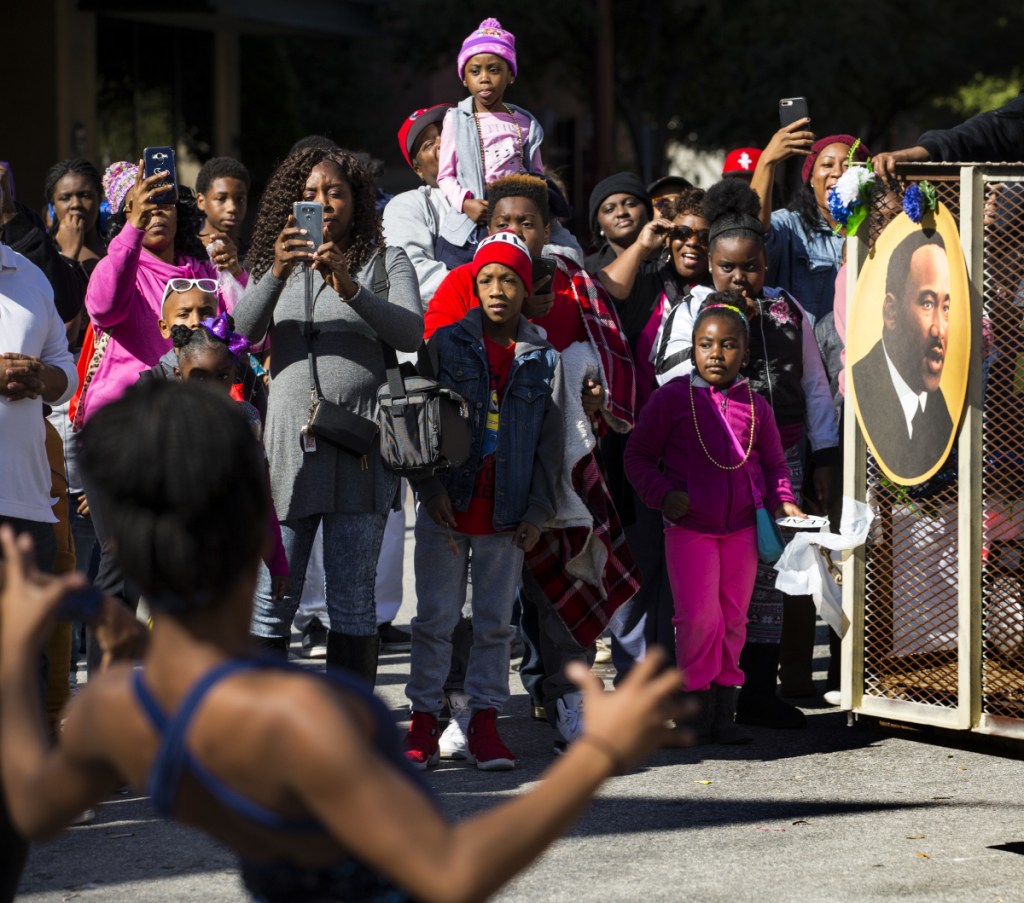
83 605
791 109
544 268
161 160
309 215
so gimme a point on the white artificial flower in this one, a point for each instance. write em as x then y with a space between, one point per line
853 183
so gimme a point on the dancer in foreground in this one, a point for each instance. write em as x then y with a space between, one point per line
302 775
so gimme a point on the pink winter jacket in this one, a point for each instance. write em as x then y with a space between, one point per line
123 299
721 501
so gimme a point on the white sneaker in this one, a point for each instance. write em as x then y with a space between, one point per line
569 719
452 743
833 697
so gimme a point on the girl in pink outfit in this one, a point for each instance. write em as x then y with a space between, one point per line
150 244
482 139
720 458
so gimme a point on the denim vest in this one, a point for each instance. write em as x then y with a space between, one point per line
461 362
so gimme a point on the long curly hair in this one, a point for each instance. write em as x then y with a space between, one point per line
186 234
285 188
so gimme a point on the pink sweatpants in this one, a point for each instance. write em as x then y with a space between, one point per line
712 578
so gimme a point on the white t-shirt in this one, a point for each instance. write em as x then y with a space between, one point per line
29 324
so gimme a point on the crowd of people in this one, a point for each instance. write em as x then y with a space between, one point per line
632 409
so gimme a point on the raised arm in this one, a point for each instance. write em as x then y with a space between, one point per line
46 786
620 275
387 821
789 141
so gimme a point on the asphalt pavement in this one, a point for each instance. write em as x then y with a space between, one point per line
836 812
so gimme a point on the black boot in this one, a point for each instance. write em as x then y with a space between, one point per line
357 654
724 728
275 646
796 649
701 725
758 702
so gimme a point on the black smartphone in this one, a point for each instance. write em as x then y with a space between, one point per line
83 605
791 109
544 268
309 215
161 160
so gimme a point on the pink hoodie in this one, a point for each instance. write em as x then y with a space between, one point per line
664 452
123 299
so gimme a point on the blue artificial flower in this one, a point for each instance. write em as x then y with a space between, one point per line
840 212
913 203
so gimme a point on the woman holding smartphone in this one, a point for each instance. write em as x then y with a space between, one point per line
362 293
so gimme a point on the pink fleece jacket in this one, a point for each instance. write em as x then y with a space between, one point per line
721 501
123 299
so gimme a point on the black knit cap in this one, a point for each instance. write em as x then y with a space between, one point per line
620 183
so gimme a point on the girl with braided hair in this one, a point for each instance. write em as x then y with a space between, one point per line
363 293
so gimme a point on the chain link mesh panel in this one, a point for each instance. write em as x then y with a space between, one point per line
911 619
1002 575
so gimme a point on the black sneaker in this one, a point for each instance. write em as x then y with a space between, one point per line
314 640
394 639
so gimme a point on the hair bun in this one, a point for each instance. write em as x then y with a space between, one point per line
731 197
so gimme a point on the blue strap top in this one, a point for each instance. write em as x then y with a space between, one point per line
173 757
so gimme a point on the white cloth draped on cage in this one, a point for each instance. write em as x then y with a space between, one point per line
810 564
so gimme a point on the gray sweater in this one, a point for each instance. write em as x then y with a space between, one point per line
350 366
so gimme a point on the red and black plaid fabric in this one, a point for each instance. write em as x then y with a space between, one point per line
605 331
586 609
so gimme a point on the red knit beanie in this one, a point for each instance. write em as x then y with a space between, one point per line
507 248
862 153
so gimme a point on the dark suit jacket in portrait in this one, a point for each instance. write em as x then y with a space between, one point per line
886 426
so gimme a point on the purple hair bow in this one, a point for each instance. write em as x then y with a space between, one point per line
221 328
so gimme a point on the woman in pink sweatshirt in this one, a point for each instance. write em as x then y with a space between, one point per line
706 452
150 243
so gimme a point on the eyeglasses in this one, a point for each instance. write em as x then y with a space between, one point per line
180 284
684 233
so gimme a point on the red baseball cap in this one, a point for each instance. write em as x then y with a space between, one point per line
415 123
742 160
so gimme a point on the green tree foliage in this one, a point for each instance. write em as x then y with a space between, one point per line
710 74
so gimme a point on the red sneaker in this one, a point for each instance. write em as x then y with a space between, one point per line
421 743
486 748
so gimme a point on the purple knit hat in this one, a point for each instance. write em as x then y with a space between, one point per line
490 37
862 153
118 179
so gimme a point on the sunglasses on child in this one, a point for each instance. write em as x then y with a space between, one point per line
180 285
684 233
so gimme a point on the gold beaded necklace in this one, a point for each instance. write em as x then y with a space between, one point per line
480 135
700 439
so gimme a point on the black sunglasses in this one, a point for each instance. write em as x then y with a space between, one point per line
684 233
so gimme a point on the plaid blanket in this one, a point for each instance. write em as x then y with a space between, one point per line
607 338
585 608
582 561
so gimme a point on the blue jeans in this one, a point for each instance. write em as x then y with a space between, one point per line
351 549
440 595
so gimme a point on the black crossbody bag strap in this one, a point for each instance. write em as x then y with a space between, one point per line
314 380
